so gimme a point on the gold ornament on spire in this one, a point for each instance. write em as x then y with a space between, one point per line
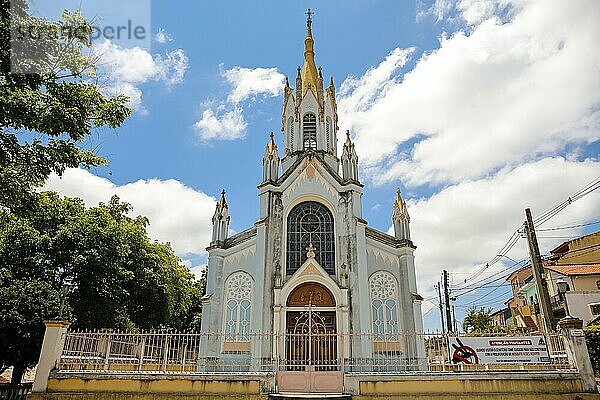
222 204
310 76
400 209
271 146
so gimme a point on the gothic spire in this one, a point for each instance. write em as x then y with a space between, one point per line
222 204
220 221
310 76
271 161
400 218
349 160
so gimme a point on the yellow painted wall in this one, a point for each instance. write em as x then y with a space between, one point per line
488 386
585 282
498 396
153 386
587 252
142 396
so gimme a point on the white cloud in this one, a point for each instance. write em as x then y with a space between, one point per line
162 36
129 68
250 82
177 213
225 120
225 125
513 89
465 225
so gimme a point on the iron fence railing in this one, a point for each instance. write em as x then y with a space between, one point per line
196 353
15 392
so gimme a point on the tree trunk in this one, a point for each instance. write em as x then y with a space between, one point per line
17 374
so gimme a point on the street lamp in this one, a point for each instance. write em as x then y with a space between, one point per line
563 288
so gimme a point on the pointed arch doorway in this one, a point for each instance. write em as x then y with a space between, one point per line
311 342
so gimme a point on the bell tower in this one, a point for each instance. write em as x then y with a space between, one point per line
309 120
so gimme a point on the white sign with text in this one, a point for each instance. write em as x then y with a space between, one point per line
498 350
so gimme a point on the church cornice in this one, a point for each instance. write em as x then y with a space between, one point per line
234 240
386 239
315 155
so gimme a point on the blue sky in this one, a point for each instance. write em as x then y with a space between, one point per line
475 109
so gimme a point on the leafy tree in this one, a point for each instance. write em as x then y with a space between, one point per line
121 279
592 338
46 116
479 320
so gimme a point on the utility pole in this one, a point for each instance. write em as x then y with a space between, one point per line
441 310
538 274
454 318
447 302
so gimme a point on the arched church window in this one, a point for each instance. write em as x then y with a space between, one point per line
291 133
310 222
309 131
328 134
238 293
384 307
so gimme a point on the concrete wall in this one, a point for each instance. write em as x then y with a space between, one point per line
441 386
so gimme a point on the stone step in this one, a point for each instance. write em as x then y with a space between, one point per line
313 396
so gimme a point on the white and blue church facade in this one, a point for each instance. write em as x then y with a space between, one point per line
310 247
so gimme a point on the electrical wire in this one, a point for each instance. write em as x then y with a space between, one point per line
558 228
541 219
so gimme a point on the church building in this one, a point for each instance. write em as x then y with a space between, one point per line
311 265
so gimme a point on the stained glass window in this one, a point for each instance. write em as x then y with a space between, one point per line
383 304
238 290
310 222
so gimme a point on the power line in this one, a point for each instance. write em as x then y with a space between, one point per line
545 216
558 228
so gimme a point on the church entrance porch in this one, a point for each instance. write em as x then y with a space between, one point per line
310 363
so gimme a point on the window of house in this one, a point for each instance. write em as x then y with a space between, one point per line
310 222
384 309
595 309
309 131
238 289
598 284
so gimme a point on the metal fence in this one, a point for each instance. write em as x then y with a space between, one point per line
15 392
197 353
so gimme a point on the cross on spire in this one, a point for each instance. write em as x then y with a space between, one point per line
309 15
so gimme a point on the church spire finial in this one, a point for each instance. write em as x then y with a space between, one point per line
310 76
222 202
309 15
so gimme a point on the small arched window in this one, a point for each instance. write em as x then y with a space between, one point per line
383 304
309 131
598 285
310 222
291 133
238 290
328 134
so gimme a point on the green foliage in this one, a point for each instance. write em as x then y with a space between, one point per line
479 321
592 338
120 278
46 117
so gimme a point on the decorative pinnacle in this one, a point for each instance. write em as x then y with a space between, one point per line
400 208
222 202
348 140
